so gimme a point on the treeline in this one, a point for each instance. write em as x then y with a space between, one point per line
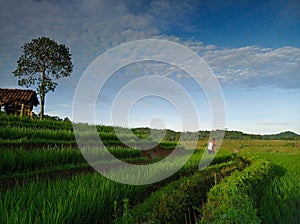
144 132
288 135
186 136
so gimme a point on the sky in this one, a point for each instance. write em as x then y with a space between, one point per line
251 47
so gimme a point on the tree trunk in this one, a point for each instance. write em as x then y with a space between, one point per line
42 93
42 106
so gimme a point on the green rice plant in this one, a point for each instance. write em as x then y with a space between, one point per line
34 144
121 152
26 122
168 145
170 203
25 160
283 194
235 200
21 160
13 133
81 199
88 198
14 136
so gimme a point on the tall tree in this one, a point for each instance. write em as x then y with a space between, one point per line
43 61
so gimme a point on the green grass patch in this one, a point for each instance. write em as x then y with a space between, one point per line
235 200
283 194
21 160
171 203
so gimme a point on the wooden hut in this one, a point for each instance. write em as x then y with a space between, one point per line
18 101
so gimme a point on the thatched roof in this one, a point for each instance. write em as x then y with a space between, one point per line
20 95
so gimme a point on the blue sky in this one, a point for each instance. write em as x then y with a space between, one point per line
253 48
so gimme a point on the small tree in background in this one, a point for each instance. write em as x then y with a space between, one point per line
42 62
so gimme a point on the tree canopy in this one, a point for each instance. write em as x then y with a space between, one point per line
43 61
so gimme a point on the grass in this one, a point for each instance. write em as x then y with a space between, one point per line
283 194
235 199
280 197
15 160
170 203
88 198
26 122
266 191
81 199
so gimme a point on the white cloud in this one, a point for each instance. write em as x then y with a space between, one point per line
88 28
248 67
252 66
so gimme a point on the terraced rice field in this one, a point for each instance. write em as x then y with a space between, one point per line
45 179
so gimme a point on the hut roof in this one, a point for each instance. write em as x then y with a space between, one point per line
21 95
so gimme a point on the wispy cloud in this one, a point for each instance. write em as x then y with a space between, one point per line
89 28
253 66
250 66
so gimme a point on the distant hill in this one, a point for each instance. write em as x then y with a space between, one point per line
287 135
174 136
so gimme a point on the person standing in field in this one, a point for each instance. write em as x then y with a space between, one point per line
211 146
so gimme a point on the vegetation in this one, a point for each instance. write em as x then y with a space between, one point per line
168 204
235 199
48 122
45 179
13 160
81 199
283 194
42 61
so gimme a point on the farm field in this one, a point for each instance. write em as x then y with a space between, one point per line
45 179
